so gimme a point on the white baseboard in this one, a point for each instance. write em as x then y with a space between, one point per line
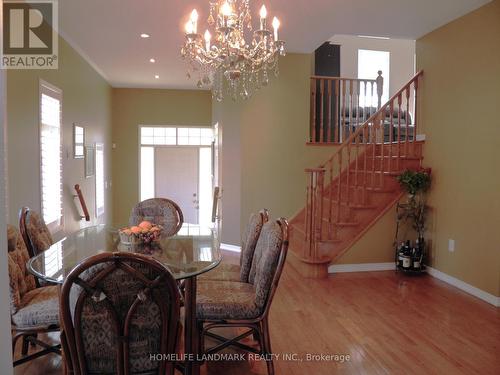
476 292
228 247
370 267
362 267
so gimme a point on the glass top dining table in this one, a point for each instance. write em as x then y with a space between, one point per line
192 251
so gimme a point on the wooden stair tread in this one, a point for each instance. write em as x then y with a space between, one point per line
396 157
353 206
387 173
342 223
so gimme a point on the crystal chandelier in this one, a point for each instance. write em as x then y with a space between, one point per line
228 63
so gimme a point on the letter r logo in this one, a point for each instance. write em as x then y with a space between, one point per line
28 28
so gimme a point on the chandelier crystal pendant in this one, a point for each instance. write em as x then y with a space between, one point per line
225 61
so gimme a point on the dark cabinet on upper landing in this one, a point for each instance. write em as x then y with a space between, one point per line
327 60
326 63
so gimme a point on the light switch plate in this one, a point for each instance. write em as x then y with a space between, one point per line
451 245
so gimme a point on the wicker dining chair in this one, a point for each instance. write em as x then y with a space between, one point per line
161 211
246 305
118 310
34 310
233 272
35 233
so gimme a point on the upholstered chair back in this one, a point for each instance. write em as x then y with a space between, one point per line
249 241
20 280
268 261
34 231
117 311
159 211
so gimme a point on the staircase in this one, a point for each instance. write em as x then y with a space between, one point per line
353 189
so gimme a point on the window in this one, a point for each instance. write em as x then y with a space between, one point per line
147 173
78 141
162 136
50 155
369 63
99 179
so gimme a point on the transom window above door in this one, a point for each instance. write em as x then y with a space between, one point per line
176 136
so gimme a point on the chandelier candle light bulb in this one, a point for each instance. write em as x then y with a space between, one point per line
226 11
208 36
263 16
189 28
276 26
194 21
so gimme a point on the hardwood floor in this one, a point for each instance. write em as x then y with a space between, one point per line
387 323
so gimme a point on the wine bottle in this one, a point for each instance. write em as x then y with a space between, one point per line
415 256
417 259
407 256
401 251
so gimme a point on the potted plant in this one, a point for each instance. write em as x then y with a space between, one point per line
416 183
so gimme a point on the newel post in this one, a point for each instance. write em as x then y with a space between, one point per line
314 211
380 88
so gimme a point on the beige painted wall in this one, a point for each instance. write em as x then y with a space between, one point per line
274 130
87 101
264 150
461 97
134 107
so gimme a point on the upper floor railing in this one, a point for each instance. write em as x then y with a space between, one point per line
339 104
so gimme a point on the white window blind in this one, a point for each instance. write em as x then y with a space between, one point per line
99 179
50 155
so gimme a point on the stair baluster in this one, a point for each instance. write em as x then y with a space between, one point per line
360 164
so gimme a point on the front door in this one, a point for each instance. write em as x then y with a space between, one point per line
176 178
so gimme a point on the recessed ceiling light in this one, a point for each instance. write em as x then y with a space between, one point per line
145 36
152 60
374 37
157 76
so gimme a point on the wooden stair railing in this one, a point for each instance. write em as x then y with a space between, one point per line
80 197
337 103
373 150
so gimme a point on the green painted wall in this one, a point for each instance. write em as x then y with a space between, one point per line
86 101
134 107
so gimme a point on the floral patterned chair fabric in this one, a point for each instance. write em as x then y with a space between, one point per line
33 309
232 272
127 307
218 299
237 300
223 272
21 280
159 211
30 306
246 305
37 235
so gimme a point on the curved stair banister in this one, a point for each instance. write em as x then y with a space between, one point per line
361 167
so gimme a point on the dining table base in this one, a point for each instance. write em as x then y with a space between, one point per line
191 337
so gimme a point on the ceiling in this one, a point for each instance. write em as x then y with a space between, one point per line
107 33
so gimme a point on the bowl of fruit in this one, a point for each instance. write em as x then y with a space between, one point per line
144 233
